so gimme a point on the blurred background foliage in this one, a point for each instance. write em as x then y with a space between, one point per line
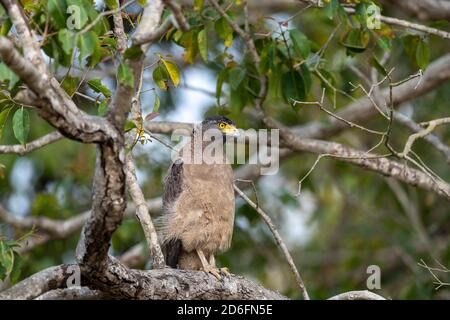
345 219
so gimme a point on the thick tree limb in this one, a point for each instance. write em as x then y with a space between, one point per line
121 282
55 105
72 293
39 283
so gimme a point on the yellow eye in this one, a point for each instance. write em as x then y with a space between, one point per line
222 125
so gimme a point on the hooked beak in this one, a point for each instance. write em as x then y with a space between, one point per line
231 130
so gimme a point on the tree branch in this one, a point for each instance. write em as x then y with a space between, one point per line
366 160
33 145
37 284
178 15
143 215
357 295
278 240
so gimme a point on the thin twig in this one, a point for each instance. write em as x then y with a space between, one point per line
178 15
278 240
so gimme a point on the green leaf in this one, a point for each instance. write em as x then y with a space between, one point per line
300 42
6 26
306 76
198 5
331 9
3 117
7 259
16 269
125 75
356 40
103 107
66 38
133 53
160 77
293 87
99 87
222 76
6 75
410 44
21 125
203 44
70 84
57 10
384 43
156 104
440 24
224 31
377 65
129 125
87 44
112 4
423 55
237 75
173 72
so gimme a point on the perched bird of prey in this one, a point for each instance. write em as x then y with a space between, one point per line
198 203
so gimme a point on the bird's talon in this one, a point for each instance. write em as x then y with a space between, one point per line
214 271
225 271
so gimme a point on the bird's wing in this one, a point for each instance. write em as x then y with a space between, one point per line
172 190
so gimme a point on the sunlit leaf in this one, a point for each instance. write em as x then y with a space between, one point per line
224 31
203 44
172 71
198 4
160 77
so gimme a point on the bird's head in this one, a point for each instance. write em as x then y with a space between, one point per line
221 123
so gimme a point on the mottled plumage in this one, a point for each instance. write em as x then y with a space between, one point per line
198 208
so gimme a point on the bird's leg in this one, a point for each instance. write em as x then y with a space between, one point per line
206 266
212 263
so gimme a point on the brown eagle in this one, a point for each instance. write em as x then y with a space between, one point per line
198 201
